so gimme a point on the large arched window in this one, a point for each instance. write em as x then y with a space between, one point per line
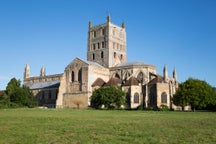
80 76
136 98
72 76
93 56
102 54
114 55
164 97
140 77
117 76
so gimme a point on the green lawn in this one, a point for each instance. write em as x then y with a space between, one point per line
28 126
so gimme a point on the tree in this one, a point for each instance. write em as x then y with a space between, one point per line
196 93
109 97
17 95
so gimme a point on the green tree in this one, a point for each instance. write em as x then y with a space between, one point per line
109 97
17 95
196 93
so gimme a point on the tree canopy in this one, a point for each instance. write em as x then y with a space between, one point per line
196 93
109 97
16 95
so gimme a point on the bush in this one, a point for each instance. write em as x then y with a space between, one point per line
164 108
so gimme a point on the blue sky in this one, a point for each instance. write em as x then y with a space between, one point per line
178 33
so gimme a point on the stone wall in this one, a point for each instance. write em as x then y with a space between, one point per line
163 88
75 100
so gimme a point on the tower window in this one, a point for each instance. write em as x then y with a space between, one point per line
93 56
94 47
103 45
121 56
102 54
95 34
103 31
114 54
98 45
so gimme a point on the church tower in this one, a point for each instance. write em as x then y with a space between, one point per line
27 71
107 44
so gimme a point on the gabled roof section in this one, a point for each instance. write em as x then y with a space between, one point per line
88 62
44 85
131 81
99 82
113 81
157 79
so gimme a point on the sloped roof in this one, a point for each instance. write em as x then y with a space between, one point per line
157 79
43 85
113 81
90 62
131 81
134 64
98 82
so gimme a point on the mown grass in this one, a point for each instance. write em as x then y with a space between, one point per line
52 126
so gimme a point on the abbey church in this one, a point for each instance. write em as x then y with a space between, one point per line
106 65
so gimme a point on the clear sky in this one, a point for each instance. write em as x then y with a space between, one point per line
178 33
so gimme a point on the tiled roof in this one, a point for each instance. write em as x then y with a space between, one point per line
113 81
98 82
43 85
131 81
157 79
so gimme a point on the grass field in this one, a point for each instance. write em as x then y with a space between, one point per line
29 126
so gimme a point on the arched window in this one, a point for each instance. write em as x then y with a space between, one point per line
93 56
72 76
114 54
140 77
94 33
102 54
117 76
103 45
98 45
136 97
164 97
80 76
121 56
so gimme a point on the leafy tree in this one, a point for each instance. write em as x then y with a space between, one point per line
109 97
17 95
196 93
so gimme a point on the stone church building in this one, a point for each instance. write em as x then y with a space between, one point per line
106 65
